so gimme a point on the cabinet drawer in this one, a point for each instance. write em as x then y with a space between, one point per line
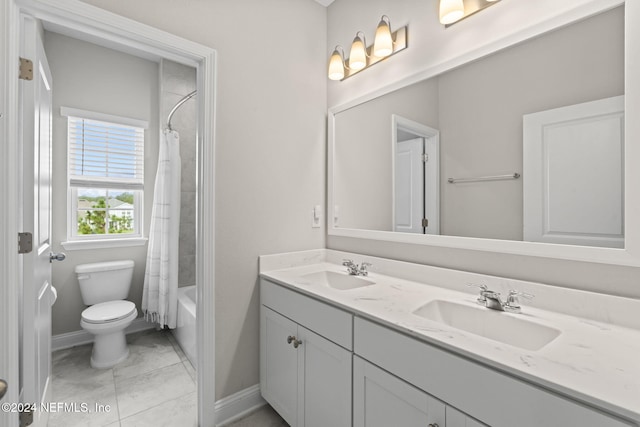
332 323
490 396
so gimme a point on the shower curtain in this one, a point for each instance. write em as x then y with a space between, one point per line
160 292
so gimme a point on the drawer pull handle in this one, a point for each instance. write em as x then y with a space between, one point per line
433 425
292 339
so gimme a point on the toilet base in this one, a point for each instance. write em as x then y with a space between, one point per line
109 350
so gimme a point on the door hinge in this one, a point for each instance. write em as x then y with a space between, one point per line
26 69
425 158
25 243
26 417
425 222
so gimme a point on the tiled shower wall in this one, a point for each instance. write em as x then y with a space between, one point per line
176 81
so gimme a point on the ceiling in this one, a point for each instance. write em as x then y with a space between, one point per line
325 2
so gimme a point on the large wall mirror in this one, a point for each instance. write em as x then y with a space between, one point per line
526 144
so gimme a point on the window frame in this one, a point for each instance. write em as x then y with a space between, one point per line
73 238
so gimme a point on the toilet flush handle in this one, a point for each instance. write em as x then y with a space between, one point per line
83 277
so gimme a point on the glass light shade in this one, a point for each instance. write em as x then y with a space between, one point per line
358 54
451 11
336 66
383 43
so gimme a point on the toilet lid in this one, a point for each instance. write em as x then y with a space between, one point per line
109 311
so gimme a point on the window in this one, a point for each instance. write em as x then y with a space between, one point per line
105 175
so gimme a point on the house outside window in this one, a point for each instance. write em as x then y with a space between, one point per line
105 175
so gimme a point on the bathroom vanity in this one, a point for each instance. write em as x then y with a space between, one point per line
408 345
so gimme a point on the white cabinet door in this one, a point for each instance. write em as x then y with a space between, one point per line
279 364
309 385
382 400
456 418
324 382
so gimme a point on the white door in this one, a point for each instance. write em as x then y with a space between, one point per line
324 382
279 364
409 185
382 400
416 176
573 174
37 293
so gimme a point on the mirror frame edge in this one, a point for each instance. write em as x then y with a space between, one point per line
629 256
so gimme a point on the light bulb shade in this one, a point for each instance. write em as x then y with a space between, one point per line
358 54
383 43
336 66
451 11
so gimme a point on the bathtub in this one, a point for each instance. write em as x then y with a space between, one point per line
185 331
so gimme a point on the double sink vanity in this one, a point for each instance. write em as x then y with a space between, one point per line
414 345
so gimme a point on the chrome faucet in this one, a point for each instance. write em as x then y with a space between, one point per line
492 300
354 270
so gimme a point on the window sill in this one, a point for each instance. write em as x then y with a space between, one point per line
76 245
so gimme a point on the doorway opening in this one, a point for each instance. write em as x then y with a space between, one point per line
90 24
416 177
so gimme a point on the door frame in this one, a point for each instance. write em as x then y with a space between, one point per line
431 188
110 30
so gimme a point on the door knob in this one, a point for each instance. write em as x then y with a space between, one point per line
3 388
57 257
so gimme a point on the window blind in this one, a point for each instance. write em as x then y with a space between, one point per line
105 155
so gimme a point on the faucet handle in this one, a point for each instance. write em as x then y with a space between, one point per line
347 262
482 300
513 303
363 268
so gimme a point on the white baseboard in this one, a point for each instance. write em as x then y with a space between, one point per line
75 338
231 408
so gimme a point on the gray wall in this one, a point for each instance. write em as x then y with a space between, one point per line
94 78
176 81
362 171
432 44
270 147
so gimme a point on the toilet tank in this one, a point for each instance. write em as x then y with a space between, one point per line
105 281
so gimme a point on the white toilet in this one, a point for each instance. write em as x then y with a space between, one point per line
104 286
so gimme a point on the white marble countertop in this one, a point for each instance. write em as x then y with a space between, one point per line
595 359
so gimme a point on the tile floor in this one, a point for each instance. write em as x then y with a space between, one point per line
155 386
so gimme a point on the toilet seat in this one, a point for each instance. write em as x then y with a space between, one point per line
107 312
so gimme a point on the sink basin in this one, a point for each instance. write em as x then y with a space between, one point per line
341 281
487 323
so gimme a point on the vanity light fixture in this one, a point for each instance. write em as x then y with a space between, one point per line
452 11
358 54
383 42
336 64
361 57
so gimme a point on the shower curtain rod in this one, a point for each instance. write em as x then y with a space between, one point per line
178 105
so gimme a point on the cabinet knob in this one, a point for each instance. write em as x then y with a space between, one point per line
292 339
